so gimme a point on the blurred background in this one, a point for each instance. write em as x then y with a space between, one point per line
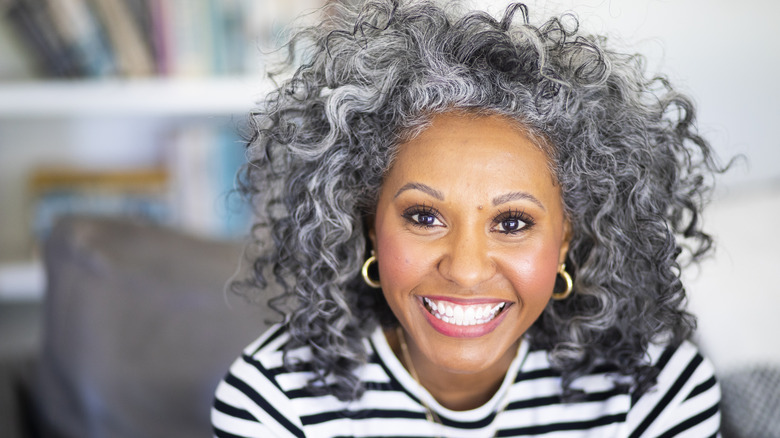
128 108
136 108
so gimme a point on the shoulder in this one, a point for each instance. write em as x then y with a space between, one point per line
685 399
252 399
260 397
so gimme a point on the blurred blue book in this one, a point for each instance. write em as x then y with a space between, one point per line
204 162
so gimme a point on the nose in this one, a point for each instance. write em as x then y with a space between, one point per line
466 261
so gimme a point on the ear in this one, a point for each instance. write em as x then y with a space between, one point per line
565 241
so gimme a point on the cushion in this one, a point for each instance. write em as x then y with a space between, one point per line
751 402
139 329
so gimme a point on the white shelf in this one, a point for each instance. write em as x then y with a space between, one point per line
22 281
145 97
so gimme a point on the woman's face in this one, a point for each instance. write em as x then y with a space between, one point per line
469 232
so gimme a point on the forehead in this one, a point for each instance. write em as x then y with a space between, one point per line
483 148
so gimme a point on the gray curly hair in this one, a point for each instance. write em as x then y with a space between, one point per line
633 172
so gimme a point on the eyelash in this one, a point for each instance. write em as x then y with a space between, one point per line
427 210
420 210
518 215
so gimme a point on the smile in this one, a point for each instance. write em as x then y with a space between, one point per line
463 315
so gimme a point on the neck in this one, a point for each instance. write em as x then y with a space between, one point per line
453 390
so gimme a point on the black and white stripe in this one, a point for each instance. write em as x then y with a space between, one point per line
259 398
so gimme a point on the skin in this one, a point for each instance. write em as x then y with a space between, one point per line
441 229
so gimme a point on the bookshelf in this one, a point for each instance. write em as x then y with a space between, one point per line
121 106
63 123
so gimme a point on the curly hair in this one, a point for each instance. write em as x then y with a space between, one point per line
633 171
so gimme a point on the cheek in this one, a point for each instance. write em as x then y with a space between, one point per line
533 272
402 263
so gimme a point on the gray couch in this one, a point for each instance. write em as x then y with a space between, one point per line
138 330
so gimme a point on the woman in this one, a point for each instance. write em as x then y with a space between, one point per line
478 226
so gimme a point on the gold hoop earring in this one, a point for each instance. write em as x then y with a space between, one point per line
364 271
569 284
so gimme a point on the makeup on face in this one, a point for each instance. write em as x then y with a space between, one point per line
469 231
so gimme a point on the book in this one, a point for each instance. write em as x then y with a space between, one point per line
229 39
32 21
203 164
80 31
15 62
132 52
160 35
136 193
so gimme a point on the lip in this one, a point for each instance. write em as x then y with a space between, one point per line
463 301
457 331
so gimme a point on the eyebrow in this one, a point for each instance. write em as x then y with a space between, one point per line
421 187
516 196
498 200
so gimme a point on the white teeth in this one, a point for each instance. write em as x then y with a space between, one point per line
469 314
458 314
463 315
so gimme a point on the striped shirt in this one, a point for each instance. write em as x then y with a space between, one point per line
260 398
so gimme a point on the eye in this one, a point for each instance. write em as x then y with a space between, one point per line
422 216
425 219
512 222
510 225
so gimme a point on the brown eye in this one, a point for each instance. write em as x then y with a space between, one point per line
422 216
424 219
509 225
513 221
